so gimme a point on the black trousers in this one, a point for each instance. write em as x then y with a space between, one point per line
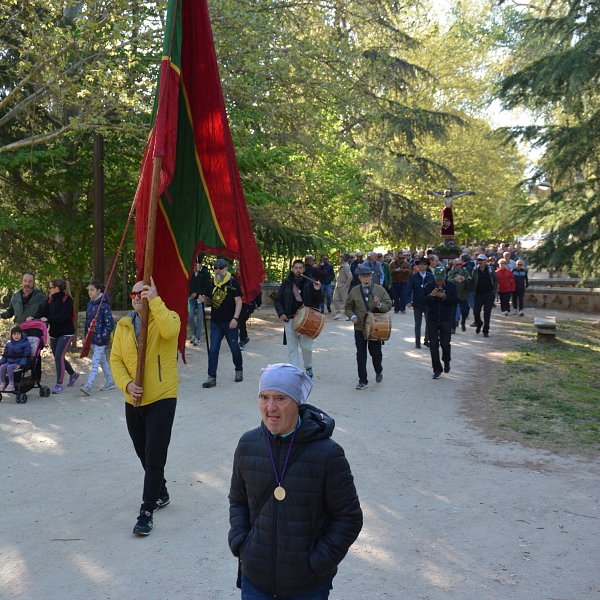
439 335
418 314
247 310
517 299
150 431
485 301
361 356
505 301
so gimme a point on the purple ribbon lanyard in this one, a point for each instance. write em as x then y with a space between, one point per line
286 458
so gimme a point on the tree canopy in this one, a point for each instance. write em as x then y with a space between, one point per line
343 114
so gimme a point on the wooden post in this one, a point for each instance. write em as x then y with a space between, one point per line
148 264
99 273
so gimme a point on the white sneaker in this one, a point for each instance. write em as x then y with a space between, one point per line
521 314
193 339
338 316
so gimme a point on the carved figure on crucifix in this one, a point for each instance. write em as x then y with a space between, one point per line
447 231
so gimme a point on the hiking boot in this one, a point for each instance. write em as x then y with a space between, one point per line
144 524
309 372
163 501
379 377
361 386
210 382
57 389
109 385
86 389
73 379
239 376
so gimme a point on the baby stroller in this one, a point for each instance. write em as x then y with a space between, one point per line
30 376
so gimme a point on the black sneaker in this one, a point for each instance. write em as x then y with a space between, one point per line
144 523
427 344
417 345
163 501
379 377
361 386
447 367
478 329
239 376
436 374
486 335
463 327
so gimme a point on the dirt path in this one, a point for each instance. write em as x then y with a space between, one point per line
448 513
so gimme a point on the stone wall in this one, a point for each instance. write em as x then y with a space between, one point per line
565 298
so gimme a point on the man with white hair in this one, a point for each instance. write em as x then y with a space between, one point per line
373 264
293 507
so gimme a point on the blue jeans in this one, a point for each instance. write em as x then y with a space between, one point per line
196 317
462 311
471 300
326 289
218 331
399 292
251 592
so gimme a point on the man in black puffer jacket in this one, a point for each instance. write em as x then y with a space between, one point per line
294 511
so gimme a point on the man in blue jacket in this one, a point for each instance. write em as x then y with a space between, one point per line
440 299
416 285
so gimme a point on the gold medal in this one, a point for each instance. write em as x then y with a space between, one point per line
279 493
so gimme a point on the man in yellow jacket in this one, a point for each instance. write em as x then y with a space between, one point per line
150 424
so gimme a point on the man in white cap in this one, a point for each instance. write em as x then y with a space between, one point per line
293 507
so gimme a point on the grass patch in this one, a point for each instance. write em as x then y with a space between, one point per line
551 392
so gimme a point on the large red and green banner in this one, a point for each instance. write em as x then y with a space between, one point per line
201 203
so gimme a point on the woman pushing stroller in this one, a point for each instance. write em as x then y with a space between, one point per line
59 313
16 354
102 329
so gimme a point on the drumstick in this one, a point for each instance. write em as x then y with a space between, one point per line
309 278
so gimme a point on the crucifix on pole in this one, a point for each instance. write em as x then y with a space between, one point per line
447 230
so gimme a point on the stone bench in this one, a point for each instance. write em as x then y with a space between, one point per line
546 329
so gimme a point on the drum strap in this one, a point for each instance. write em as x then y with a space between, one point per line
365 299
296 292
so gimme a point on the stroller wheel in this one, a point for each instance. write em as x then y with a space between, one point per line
47 392
18 398
42 393
23 398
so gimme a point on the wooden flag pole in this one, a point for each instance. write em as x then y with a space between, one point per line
148 265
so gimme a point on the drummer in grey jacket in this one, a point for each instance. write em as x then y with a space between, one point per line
297 291
366 297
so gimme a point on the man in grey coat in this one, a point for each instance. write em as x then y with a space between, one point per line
342 286
25 302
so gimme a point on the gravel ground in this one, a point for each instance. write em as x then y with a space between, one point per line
449 513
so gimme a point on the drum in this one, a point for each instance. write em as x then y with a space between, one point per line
308 321
377 327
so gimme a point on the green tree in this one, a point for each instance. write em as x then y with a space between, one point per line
558 59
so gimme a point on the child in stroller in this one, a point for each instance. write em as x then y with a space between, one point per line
22 353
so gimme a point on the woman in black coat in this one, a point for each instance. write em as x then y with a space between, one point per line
59 313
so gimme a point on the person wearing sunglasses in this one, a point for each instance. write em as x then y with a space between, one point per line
226 301
149 424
